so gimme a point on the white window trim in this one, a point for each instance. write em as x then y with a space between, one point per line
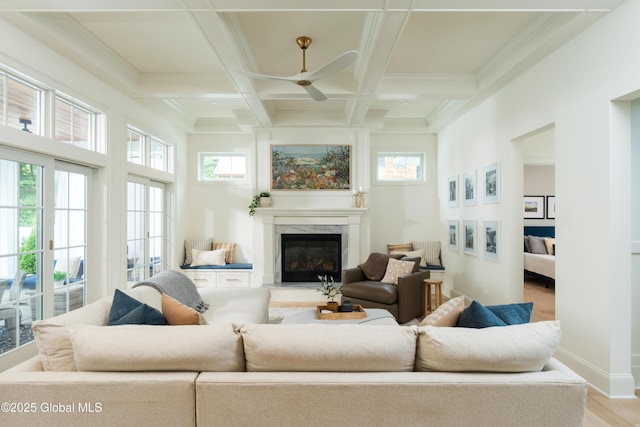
223 181
426 173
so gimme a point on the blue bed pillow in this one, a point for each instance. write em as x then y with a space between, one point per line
480 316
126 310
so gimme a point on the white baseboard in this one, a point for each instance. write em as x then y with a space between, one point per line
614 386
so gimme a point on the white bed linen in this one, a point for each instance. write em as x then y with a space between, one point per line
542 264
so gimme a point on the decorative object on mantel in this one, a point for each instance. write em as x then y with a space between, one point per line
261 200
330 290
358 198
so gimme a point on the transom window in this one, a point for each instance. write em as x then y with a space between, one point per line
146 150
20 104
396 167
74 124
222 167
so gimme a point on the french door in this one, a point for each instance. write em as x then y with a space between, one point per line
43 242
145 228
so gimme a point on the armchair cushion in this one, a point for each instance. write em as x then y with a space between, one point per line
371 291
397 268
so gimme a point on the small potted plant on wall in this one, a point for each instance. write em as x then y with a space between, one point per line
261 200
329 289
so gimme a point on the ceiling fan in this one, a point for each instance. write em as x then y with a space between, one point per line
305 78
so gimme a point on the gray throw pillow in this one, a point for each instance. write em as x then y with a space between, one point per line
537 245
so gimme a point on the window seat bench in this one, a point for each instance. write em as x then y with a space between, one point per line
236 275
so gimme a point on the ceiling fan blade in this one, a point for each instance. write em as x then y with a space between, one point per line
333 66
293 78
315 93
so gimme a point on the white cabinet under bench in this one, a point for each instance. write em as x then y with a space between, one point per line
220 276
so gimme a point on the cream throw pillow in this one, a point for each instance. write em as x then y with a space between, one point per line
395 269
230 248
315 347
549 242
515 348
214 348
207 257
54 346
445 315
203 245
431 251
412 254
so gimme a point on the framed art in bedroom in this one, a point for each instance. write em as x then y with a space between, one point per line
534 207
551 207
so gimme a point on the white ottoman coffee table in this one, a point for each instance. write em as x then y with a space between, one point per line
375 316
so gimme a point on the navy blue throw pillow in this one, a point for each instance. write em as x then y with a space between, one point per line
480 316
126 310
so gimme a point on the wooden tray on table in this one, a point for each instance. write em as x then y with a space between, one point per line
357 313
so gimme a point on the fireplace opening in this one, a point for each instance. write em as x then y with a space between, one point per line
307 256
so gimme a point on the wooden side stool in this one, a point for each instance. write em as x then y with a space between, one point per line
437 284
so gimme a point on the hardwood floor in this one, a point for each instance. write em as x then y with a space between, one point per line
601 411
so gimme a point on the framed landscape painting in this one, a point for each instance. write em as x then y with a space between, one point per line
534 207
310 167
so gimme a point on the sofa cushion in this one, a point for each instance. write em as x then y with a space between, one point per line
375 266
479 316
397 268
199 257
383 293
515 348
157 348
230 251
329 348
447 314
431 251
202 244
126 310
54 345
177 313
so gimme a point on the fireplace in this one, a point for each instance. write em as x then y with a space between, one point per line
307 256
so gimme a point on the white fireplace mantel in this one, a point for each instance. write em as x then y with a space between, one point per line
267 219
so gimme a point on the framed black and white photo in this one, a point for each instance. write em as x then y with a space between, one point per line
491 178
469 236
534 207
453 234
551 207
492 240
453 191
469 188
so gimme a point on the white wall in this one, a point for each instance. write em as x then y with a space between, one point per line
539 181
635 239
572 89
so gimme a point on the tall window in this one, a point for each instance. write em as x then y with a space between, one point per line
21 251
145 229
74 124
20 104
149 151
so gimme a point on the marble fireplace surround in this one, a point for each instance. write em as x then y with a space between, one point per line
276 222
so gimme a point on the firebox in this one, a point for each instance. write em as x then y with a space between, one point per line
307 256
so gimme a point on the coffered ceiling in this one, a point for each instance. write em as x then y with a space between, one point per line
420 62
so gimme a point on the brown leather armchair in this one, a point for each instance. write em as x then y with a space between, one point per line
362 285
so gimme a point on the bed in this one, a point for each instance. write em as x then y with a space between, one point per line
539 251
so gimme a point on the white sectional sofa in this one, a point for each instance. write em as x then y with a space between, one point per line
238 371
